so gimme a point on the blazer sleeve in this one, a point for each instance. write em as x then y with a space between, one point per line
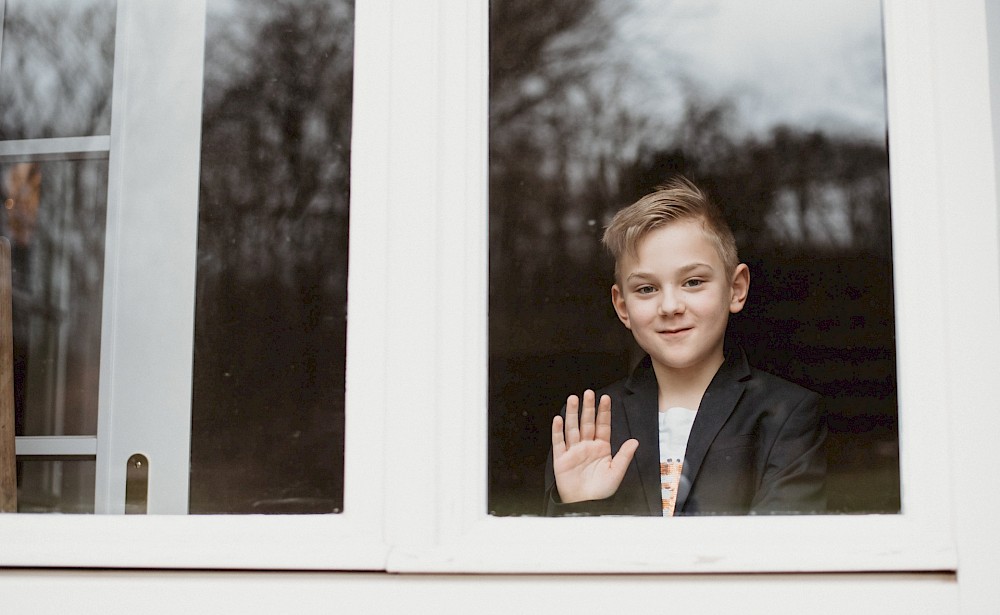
794 474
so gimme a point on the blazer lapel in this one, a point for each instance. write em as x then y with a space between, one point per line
641 405
717 405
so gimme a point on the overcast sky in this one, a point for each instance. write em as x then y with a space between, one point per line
814 63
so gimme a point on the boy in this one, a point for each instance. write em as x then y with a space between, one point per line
694 429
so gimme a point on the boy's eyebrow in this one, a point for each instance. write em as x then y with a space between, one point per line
692 266
638 274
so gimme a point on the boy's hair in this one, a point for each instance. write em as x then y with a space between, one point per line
678 199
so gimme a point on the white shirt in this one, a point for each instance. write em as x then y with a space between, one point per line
675 429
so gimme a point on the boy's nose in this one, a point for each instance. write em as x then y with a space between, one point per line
671 303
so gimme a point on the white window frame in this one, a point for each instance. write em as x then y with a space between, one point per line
416 418
942 202
147 337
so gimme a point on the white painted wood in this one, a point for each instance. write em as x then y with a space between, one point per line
970 288
412 325
56 445
355 539
59 148
419 206
151 248
125 592
104 496
468 539
464 215
145 388
269 542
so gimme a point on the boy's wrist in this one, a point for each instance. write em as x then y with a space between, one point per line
558 508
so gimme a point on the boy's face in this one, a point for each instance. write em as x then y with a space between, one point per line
676 296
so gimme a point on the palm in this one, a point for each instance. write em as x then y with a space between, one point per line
581 457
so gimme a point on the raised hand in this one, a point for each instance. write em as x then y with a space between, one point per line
581 458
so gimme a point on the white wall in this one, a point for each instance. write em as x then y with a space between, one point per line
231 592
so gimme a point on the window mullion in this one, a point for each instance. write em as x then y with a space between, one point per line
413 298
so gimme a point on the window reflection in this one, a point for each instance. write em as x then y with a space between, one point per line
777 109
270 332
54 217
56 64
64 485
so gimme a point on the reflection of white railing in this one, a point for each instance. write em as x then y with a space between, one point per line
56 446
63 148
29 304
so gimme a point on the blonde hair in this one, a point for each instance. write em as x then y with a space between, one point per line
678 199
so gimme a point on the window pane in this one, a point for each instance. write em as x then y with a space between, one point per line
777 109
54 218
56 485
270 332
56 64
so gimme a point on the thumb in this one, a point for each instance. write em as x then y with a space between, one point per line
619 463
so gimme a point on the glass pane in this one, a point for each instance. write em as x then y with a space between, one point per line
777 110
56 66
64 485
53 215
270 331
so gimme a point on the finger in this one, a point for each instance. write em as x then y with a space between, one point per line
558 444
619 463
587 418
572 420
603 430
557 434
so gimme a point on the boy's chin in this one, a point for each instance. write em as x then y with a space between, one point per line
686 362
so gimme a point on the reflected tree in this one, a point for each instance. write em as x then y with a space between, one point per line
56 68
569 147
272 258
55 81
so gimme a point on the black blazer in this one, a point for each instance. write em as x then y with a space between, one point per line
756 447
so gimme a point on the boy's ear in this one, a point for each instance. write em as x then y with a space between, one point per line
740 288
618 300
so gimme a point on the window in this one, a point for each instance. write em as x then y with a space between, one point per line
271 305
270 333
56 75
143 438
591 106
466 536
415 493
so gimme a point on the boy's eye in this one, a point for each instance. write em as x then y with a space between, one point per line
693 283
644 290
